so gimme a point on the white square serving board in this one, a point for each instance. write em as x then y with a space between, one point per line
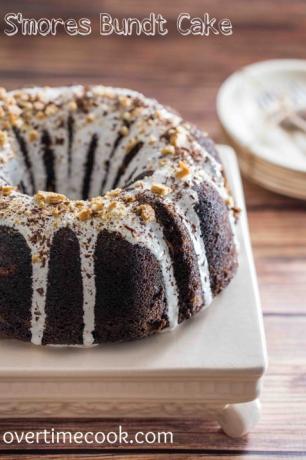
209 364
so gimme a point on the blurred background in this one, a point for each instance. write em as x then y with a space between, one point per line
186 73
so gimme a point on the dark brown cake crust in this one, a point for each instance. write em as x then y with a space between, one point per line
183 256
120 266
124 272
15 285
217 234
64 303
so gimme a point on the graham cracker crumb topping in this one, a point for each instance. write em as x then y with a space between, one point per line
124 101
97 204
51 109
168 150
229 201
146 212
126 116
40 115
36 259
6 190
3 138
129 198
112 205
84 214
72 106
114 192
116 210
90 118
124 130
152 140
160 189
33 135
183 170
49 198
79 204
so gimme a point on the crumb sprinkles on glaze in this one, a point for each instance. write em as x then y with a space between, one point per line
120 213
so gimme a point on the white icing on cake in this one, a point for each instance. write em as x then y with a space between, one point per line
105 120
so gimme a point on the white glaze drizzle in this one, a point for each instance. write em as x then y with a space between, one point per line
87 250
186 208
39 242
149 236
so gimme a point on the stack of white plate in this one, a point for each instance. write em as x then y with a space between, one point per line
262 109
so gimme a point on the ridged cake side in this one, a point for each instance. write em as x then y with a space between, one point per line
146 238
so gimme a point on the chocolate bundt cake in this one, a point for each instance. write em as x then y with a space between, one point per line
145 239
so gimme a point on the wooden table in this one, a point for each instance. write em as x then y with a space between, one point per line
186 72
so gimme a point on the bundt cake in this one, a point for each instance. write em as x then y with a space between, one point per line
115 219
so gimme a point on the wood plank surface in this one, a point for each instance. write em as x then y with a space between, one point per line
155 456
141 456
186 72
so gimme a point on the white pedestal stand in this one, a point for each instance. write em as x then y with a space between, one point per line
210 367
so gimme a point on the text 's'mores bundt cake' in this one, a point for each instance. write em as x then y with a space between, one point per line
115 220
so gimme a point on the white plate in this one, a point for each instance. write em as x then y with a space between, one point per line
247 104
216 358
